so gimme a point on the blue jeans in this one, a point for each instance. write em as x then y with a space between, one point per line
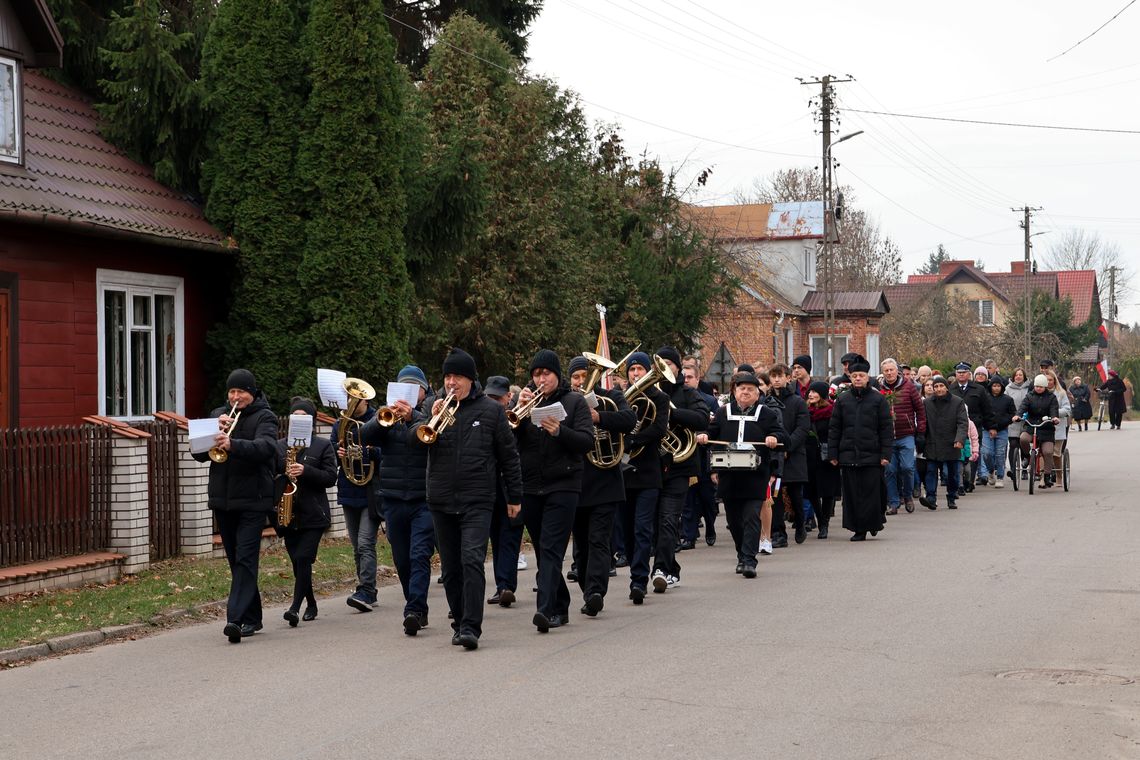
639 515
412 537
899 472
506 541
362 527
952 471
993 454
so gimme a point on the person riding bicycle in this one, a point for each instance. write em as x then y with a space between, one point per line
1039 408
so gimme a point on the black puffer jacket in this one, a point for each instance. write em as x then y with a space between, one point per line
1040 407
692 413
553 463
244 482
1001 412
645 468
311 502
976 398
403 467
465 461
797 424
946 424
747 484
862 433
607 486
348 494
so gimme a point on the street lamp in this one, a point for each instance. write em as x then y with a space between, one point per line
828 290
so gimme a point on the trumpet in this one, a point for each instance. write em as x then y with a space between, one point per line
522 411
428 433
218 454
635 395
352 463
386 416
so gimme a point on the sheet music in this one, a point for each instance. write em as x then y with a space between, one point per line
300 430
409 392
330 387
201 433
554 412
591 400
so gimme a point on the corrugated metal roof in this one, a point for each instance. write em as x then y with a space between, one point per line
74 175
1081 288
848 300
905 295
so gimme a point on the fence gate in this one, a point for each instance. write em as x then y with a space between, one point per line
162 464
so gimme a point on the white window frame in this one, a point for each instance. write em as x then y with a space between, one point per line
873 353
809 265
833 360
139 283
979 306
17 111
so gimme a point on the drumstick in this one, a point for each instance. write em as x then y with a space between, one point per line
731 443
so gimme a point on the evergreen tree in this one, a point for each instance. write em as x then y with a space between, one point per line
353 270
83 25
253 79
415 24
934 262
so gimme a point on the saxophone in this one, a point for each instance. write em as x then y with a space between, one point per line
285 506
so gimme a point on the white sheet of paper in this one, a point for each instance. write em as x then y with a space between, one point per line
201 433
409 392
300 430
591 400
330 386
554 412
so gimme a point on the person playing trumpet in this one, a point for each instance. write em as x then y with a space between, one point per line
465 459
241 494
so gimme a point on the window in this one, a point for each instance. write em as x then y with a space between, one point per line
140 344
11 121
809 266
819 362
985 312
873 353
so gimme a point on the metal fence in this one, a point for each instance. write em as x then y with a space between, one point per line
162 466
55 492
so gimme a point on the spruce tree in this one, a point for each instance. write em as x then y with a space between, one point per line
353 268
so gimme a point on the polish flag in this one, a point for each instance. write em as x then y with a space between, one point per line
1102 369
602 347
1103 331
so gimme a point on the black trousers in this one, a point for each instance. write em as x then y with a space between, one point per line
550 520
593 531
700 504
743 518
241 539
669 506
795 494
302 546
462 541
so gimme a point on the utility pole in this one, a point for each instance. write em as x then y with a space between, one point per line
826 105
1028 214
1111 309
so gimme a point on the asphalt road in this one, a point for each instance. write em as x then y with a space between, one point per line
1006 629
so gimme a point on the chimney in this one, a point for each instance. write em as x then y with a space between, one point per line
946 267
1017 267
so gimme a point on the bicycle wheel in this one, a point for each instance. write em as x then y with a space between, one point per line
1015 467
1032 469
1100 415
1065 468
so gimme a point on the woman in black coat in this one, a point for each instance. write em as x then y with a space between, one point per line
1082 402
314 473
1039 407
1114 389
823 476
860 441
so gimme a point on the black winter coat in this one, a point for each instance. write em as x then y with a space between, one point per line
311 502
1116 388
946 424
1001 412
607 486
403 467
1082 401
862 433
1040 407
747 484
465 461
692 413
645 468
349 494
976 398
797 424
245 481
553 463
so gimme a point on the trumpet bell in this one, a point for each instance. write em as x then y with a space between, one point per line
386 416
219 455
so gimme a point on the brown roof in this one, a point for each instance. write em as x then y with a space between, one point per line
1080 287
75 176
848 300
1090 355
747 221
907 294
1013 285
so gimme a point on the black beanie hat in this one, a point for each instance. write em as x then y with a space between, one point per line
859 366
939 380
670 354
820 387
804 361
639 358
546 359
745 368
300 402
459 362
242 379
577 363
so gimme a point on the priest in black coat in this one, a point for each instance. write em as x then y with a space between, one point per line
860 440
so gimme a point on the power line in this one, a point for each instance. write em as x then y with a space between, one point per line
1102 26
1000 123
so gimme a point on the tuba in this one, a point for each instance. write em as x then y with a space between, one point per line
352 463
220 455
285 506
635 395
428 433
679 441
607 451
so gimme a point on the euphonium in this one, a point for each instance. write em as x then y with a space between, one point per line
521 411
352 463
428 433
220 455
679 441
635 395
607 451
285 506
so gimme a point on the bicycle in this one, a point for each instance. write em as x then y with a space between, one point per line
1035 452
1102 397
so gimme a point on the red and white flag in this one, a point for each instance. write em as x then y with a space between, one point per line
1102 370
602 348
1103 331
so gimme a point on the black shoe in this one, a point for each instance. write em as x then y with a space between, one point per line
686 545
450 615
859 537
908 505
232 631
928 502
455 639
874 533
710 539
248 629
952 505
506 597
292 617
749 571
620 560
893 511
613 572
822 532
801 534
439 579
637 594
594 605
810 525
497 598
739 568
557 621
412 624
780 541
468 641
541 622
310 613
572 575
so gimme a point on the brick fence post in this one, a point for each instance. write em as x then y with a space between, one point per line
323 429
196 521
130 501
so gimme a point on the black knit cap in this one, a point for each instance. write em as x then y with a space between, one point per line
242 379
804 361
577 363
639 358
459 362
859 366
939 380
820 387
671 354
304 404
546 359
745 368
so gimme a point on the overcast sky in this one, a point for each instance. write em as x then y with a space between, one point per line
724 71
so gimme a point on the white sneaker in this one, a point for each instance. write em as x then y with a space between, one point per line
999 484
672 581
660 582
522 562
993 479
765 546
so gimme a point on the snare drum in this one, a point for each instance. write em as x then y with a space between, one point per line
736 460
